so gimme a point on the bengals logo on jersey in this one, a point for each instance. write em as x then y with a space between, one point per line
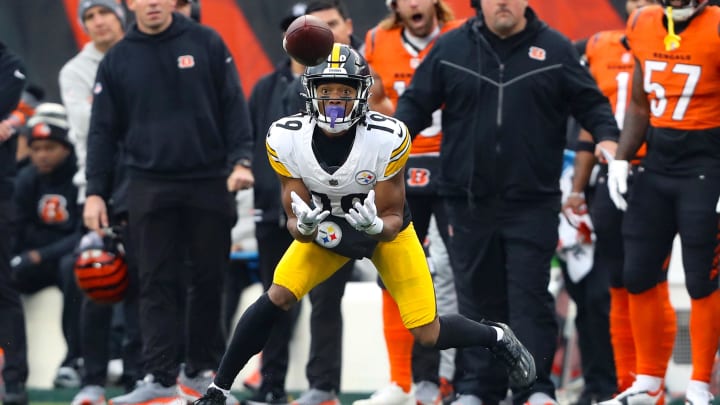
52 209
418 177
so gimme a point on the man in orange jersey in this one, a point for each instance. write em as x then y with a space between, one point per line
603 318
394 48
675 93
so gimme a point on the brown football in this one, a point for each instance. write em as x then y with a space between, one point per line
308 40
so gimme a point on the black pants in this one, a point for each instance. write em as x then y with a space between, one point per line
500 257
190 219
660 207
323 369
12 319
96 330
426 360
59 273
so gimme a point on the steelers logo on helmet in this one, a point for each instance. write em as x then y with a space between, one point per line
683 10
329 234
344 66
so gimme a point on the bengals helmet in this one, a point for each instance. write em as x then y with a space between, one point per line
687 9
100 268
343 65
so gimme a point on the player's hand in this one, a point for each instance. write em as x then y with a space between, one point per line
363 217
6 130
618 171
241 178
717 207
95 214
307 219
575 203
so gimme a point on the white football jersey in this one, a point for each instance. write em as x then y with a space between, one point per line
381 148
379 152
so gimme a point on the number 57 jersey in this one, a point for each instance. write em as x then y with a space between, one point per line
682 82
379 152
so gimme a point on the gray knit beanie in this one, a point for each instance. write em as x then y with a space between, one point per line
111 5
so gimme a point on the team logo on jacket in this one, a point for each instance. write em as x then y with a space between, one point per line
52 209
537 53
365 177
97 89
186 61
329 234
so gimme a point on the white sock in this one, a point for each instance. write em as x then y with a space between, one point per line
224 391
500 333
697 386
644 382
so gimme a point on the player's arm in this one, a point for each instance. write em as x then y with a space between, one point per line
637 118
390 203
584 161
582 169
289 185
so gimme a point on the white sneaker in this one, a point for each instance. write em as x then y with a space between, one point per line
636 396
427 393
466 399
391 394
540 398
90 395
698 393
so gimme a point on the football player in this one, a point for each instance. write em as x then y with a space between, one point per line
611 64
674 94
394 48
341 170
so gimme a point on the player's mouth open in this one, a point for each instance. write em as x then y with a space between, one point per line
417 17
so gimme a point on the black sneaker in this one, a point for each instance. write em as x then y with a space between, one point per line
213 396
518 360
15 394
267 398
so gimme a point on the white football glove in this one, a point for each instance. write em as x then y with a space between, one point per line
307 219
618 171
364 216
717 207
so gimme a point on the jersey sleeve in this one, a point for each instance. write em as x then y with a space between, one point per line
399 155
279 150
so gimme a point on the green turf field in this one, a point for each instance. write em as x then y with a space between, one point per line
64 396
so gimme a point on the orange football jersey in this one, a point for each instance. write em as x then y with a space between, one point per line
682 84
611 64
386 54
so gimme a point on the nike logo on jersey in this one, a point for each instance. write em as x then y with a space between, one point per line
17 73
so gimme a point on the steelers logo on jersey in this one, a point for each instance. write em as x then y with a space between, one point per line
329 234
365 177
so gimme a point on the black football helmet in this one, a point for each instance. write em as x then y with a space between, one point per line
343 65
687 9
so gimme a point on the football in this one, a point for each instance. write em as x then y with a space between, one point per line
308 40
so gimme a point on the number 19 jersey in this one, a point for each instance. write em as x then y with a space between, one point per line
379 152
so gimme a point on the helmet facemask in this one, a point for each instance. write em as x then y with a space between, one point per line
343 66
685 11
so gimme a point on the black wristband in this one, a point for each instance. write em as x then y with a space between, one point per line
585 146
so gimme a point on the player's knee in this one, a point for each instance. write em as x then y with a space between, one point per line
427 335
281 297
700 286
637 283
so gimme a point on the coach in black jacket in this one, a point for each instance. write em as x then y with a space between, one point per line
12 320
170 94
508 83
